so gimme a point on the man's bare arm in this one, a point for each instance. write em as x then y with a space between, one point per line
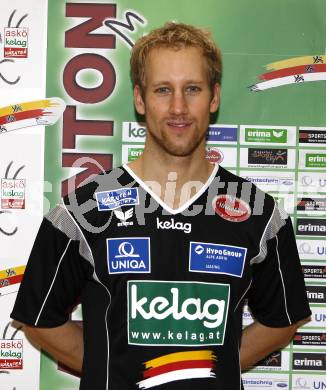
259 340
64 343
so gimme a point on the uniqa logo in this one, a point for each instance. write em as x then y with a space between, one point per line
211 312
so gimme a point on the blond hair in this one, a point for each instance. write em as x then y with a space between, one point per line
176 36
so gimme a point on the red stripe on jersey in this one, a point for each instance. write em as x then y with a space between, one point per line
178 366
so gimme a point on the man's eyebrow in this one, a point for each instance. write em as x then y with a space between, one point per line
158 83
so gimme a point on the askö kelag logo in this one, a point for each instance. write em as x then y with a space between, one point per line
177 313
13 193
11 354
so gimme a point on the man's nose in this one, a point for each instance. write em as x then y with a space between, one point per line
178 103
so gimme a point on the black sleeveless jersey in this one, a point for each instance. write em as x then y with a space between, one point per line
162 290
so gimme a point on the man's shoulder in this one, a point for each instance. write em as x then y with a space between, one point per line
89 203
112 180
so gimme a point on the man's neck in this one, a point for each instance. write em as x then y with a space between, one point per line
174 179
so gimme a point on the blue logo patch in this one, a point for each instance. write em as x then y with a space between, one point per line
216 258
111 200
128 255
226 134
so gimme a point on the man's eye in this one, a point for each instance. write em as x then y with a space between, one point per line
193 89
162 90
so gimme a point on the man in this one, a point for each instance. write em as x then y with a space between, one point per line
175 245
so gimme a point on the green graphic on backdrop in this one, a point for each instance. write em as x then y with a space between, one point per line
251 35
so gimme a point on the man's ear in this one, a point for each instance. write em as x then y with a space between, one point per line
215 102
138 100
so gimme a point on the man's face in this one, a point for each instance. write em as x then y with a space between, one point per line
177 100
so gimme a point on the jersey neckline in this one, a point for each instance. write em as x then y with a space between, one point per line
161 202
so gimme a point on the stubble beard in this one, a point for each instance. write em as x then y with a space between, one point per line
165 142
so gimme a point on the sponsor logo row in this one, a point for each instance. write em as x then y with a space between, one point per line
311 249
307 182
318 318
249 157
229 134
226 206
314 183
301 361
252 381
302 204
226 157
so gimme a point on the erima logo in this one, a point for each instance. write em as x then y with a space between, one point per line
312 228
185 227
258 133
278 134
211 312
315 295
317 158
124 216
308 362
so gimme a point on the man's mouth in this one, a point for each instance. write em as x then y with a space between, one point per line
179 124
